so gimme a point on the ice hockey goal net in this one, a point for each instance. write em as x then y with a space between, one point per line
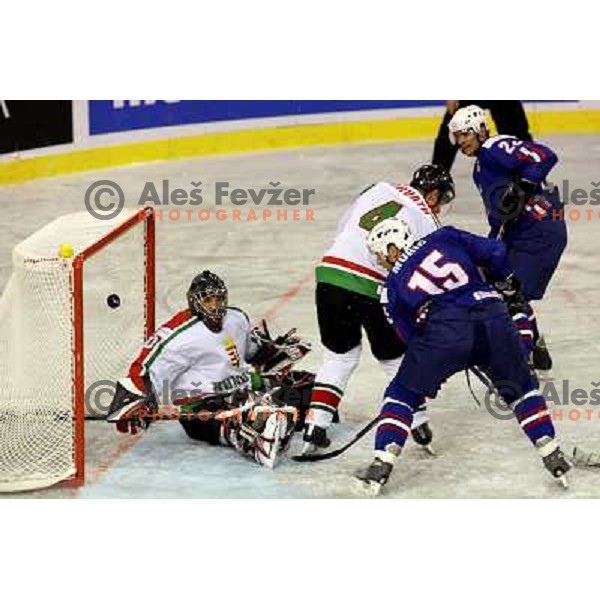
69 325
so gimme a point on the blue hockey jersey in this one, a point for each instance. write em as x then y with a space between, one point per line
503 159
442 269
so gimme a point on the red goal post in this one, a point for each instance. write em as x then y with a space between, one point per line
67 322
147 217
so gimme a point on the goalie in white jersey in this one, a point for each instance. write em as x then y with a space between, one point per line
347 294
200 362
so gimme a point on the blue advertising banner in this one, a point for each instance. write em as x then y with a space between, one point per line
110 116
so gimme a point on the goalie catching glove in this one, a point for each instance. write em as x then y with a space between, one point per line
277 354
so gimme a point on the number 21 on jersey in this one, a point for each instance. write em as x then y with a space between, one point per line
434 277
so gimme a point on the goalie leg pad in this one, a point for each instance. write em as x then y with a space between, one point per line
275 438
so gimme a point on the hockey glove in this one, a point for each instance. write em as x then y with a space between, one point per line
280 353
129 410
517 306
513 201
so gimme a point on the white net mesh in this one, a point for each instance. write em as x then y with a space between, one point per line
37 443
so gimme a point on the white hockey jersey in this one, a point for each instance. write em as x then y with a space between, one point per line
184 357
348 263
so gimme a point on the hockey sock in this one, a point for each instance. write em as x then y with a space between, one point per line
330 383
534 325
396 418
394 426
532 413
526 324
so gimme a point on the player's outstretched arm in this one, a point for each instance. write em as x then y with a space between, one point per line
489 254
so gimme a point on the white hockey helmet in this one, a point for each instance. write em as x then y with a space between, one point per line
469 118
390 231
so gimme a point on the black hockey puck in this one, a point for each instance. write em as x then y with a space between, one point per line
113 301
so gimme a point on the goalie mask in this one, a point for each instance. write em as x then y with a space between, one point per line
207 299
390 231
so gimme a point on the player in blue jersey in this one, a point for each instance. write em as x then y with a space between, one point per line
522 209
451 319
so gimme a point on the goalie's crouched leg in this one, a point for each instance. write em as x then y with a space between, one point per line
202 431
270 434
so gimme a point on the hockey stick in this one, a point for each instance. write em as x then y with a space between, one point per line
333 453
483 378
341 449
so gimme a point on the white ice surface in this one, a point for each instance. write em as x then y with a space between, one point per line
261 261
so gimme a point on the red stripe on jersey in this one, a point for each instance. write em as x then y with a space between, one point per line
355 267
325 397
136 370
179 319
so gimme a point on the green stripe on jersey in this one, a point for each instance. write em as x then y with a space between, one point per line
348 281
157 352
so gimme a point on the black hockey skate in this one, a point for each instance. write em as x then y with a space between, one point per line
554 459
315 438
540 356
423 436
375 476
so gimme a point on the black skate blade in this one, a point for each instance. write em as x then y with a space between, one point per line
430 451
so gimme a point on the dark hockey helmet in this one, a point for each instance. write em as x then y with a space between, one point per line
429 177
207 299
